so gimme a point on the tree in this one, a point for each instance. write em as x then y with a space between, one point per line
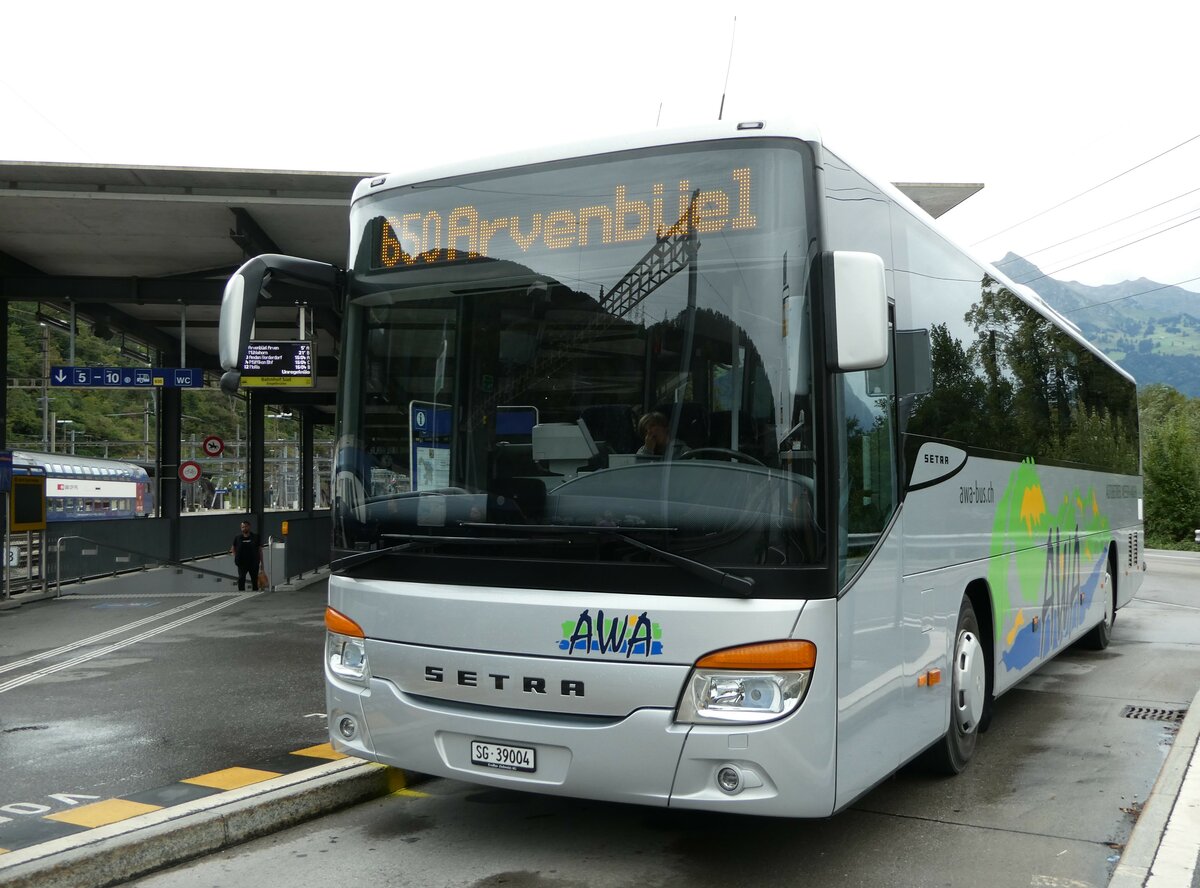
1171 465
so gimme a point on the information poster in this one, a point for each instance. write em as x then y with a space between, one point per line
429 445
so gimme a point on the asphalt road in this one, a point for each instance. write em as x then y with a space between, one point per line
119 691
1049 801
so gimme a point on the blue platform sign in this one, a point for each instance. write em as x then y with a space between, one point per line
126 377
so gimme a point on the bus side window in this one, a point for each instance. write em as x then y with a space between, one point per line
870 417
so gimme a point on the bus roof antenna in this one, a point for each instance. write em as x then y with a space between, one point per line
728 67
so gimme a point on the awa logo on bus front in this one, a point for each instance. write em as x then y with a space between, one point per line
631 634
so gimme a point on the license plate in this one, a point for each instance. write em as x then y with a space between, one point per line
503 757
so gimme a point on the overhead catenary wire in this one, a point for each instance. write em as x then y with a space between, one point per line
1130 296
1122 241
1088 190
1026 254
1107 252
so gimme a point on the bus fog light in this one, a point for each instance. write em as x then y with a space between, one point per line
729 780
347 727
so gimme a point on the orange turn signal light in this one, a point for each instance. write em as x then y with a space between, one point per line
342 624
770 655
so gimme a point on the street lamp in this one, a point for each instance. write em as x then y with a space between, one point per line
71 431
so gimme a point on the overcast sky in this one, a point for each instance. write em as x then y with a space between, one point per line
1039 100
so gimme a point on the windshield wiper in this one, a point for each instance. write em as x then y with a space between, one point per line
424 541
723 579
730 582
366 557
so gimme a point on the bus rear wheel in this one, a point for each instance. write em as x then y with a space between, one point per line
968 695
1098 637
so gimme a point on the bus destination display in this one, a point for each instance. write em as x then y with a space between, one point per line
630 212
280 363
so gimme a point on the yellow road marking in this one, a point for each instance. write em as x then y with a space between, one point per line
231 778
323 750
397 780
411 794
103 813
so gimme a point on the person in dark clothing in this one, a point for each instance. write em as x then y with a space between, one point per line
247 556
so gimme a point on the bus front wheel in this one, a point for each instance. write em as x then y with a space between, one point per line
968 695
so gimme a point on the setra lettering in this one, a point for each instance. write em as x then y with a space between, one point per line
500 681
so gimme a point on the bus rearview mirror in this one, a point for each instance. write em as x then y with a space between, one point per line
856 310
240 302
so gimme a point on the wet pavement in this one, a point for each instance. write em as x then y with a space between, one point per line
114 692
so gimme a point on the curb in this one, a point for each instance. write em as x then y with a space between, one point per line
1147 836
122 851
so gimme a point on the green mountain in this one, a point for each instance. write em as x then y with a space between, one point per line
1151 330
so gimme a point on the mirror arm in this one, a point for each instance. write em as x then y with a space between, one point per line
240 301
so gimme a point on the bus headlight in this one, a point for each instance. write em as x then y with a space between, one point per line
751 683
347 657
345 648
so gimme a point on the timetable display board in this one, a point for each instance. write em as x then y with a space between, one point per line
279 363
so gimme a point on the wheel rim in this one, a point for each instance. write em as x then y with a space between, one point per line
1105 581
970 682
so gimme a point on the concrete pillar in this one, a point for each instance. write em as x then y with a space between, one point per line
306 460
4 372
258 453
170 429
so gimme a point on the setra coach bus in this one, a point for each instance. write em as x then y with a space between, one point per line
731 483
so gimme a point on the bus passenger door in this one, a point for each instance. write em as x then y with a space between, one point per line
872 722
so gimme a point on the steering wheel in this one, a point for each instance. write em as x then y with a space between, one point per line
708 452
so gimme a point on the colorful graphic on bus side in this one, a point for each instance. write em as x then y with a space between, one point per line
1051 563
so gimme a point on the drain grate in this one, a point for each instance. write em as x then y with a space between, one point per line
1149 713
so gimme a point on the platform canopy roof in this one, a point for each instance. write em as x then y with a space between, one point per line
938 198
131 247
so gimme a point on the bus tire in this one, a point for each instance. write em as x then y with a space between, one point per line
1098 638
968 695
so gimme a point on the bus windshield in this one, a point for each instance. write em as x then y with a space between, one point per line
596 352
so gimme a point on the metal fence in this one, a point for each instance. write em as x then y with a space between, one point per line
306 546
76 551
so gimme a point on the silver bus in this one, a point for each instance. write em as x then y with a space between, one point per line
735 485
